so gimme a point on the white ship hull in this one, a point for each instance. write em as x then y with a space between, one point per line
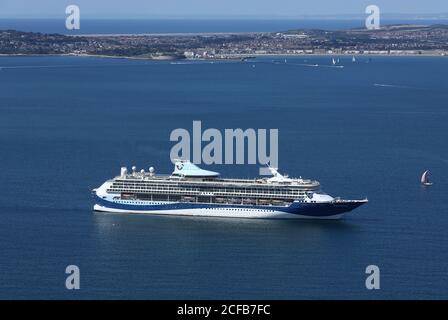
218 213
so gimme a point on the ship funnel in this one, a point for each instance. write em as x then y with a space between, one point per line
185 168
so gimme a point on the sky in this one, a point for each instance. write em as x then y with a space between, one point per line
214 8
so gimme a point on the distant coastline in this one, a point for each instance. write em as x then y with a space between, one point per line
393 40
233 58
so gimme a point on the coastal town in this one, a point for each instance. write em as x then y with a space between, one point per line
389 40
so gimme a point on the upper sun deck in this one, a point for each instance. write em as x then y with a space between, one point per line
216 181
186 173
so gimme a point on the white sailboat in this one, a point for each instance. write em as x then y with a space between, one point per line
353 59
334 61
425 179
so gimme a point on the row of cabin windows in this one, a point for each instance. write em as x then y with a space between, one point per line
203 199
183 193
210 189
214 190
226 209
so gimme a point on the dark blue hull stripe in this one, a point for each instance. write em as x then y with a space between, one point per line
304 209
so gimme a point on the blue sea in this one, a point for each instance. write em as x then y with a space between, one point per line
369 129
204 25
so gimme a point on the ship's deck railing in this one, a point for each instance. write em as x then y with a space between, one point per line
192 192
211 188
254 190
260 182
212 200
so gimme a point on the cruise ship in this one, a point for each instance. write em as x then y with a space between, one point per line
192 191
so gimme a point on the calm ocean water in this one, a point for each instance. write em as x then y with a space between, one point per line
370 129
111 26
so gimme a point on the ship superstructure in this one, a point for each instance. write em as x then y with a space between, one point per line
190 190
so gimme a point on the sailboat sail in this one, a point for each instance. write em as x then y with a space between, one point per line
425 177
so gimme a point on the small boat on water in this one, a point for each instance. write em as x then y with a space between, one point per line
353 59
425 179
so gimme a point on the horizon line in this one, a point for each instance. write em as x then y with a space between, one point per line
339 16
